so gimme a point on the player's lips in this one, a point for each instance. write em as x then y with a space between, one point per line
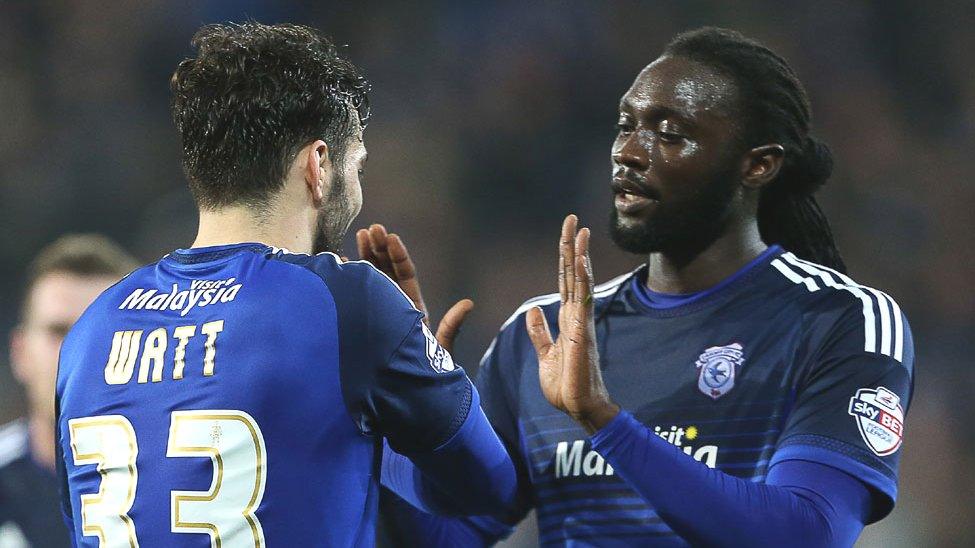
632 196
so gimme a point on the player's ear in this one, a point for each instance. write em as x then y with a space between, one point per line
761 165
317 169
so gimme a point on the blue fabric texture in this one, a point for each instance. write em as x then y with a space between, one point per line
784 364
310 360
800 504
473 457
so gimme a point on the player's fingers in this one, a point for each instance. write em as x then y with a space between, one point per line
450 324
377 242
404 271
400 258
538 332
377 237
567 258
362 242
583 273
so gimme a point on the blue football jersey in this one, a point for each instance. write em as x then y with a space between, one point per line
785 360
238 395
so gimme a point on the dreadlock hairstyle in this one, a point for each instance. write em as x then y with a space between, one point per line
776 110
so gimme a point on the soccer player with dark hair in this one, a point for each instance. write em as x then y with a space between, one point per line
738 389
236 393
62 281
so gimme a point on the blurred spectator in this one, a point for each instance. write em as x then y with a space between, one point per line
63 280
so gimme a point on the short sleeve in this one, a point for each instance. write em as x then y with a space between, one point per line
419 398
851 402
397 381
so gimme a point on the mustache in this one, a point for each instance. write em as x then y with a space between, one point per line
627 180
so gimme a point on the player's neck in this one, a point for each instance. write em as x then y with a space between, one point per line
723 257
232 225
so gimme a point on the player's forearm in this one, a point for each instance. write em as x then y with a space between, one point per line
710 507
414 527
470 474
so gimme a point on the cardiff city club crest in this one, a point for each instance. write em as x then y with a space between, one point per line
439 358
718 366
880 418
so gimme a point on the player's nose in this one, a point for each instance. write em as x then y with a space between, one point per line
631 153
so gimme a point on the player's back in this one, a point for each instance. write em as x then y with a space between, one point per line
209 391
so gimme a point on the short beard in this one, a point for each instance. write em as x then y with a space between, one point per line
333 218
684 229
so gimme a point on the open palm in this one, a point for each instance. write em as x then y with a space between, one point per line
568 367
388 253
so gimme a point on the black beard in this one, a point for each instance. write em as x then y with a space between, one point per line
682 229
333 218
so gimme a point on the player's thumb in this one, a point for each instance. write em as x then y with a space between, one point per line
538 331
450 324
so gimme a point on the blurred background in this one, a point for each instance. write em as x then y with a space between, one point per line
491 121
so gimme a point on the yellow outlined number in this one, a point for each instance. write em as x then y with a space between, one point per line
109 442
233 441
227 511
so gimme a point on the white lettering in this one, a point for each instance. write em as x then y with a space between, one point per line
593 464
121 358
152 355
137 299
708 455
567 462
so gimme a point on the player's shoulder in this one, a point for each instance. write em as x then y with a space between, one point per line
354 281
815 287
113 298
602 294
838 305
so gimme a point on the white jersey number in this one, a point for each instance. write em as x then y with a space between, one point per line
109 442
231 439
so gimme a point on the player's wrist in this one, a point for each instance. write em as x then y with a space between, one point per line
596 418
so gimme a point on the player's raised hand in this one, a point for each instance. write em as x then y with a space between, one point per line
568 367
388 253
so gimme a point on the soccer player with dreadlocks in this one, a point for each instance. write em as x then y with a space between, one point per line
736 389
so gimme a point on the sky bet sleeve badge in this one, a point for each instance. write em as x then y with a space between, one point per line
880 418
717 367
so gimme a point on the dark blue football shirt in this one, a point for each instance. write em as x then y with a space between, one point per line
785 360
236 395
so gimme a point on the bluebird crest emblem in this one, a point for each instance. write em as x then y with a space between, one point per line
717 367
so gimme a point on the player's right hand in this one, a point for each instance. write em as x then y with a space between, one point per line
568 367
387 253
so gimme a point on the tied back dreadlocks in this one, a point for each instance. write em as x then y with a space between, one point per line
777 110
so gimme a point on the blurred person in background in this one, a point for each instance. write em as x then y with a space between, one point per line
62 281
736 390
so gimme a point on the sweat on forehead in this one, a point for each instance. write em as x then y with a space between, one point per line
684 85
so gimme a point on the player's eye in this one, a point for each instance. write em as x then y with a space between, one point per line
624 126
669 132
670 137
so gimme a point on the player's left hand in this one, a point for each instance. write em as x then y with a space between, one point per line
568 367
387 253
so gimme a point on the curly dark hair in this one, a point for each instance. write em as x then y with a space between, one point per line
252 98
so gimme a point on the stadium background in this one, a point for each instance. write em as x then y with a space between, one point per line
493 121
